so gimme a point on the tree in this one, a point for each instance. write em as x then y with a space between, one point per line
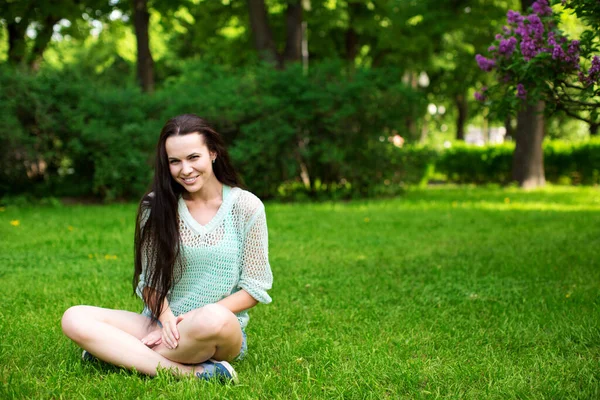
263 36
145 63
40 19
580 100
261 30
537 66
468 26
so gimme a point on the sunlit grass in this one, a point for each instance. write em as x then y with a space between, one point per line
457 292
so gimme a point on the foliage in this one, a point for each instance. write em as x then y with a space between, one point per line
65 136
564 163
38 121
534 60
100 139
468 293
31 24
471 164
573 163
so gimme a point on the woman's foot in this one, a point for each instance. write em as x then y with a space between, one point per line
87 356
220 370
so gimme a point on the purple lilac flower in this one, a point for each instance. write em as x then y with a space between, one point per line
521 92
507 46
523 30
541 7
574 48
558 53
514 17
480 96
551 39
484 63
536 26
594 71
529 48
491 48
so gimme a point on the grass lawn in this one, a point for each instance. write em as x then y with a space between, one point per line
450 292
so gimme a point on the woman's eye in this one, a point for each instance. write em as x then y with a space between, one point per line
173 161
194 157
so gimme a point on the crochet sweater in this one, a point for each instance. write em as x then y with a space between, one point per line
220 258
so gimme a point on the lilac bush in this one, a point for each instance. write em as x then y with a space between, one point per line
534 60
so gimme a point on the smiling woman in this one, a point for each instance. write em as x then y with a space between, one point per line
201 261
190 161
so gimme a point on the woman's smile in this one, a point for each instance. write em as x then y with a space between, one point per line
189 181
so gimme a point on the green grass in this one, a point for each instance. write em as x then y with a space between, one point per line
450 292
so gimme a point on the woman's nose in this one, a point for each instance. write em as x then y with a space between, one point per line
186 168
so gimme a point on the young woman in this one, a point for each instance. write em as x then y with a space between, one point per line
201 261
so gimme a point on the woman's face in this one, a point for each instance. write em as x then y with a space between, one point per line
190 161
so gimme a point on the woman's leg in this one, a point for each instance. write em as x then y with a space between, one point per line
114 336
208 332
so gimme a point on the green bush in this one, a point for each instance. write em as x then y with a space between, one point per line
412 165
564 162
573 163
37 127
64 136
463 163
280 125
99 141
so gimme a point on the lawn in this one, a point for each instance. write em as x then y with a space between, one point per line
452 292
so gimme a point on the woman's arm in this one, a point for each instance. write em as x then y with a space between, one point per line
239 301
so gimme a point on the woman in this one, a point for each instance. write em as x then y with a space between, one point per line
201 261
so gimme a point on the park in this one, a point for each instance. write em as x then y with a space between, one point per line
429 172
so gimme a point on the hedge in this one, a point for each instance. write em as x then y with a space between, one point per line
64 136
564 163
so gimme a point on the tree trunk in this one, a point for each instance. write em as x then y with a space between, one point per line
528 158
145 64
461 118
16 41
44 35
410 78
508 126
352 38
594 129
293 24
263 39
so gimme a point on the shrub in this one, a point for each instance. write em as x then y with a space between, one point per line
63 136
573 163
464 163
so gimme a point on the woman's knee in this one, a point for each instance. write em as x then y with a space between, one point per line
212 320
73 323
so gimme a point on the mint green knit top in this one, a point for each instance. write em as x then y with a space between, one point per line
226 255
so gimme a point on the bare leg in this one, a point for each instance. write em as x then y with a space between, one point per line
208 332
114 336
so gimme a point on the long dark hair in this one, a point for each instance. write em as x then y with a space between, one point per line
157 242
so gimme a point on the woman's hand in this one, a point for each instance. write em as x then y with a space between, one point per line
170 333
153 339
